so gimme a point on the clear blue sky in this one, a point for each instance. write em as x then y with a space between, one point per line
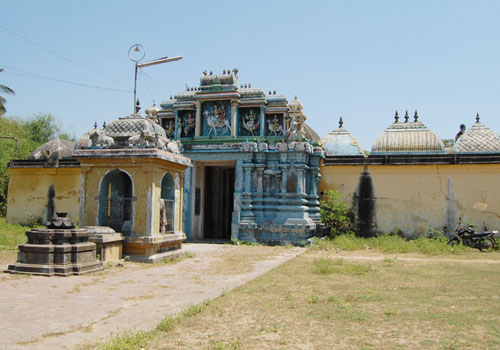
361 60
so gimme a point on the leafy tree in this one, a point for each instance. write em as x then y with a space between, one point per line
30 134
334 213
6 90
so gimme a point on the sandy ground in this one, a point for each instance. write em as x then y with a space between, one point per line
64 312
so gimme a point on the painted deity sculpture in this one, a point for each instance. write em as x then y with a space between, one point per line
217 120
251 123
274 127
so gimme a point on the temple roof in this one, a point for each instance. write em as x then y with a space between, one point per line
340 142
408 137
54 149
479 138
127 126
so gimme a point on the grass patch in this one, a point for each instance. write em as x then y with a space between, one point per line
325 266
11 235
135 340
318 301
391 244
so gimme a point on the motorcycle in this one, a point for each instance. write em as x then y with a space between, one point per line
468 237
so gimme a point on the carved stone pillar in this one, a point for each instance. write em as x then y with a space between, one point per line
300 179
247 177
262 121
176 124
284 177
234 117
199 122
260 171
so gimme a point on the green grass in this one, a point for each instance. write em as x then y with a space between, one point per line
11 235
135 340
391 244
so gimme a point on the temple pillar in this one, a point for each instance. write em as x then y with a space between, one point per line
199 122
262 121
176 124
234 123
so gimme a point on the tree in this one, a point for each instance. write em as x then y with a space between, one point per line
30 134
6 90
334 214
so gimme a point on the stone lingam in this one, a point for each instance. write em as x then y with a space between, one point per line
60 250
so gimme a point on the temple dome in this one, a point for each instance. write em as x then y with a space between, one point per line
125 127
479 138
408 137
53 150
340 142
310 134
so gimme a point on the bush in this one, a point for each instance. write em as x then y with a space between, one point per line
334 214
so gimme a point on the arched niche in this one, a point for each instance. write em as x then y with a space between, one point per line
116 201
167 208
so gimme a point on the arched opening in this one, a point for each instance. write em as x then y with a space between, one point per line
168 203
116 201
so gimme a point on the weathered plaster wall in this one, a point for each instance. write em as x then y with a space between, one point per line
28 192
415 198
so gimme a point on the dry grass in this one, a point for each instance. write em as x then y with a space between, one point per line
318 301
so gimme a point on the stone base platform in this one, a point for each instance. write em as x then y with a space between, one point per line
151 249
109 244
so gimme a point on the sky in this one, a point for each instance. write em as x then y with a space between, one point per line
359 60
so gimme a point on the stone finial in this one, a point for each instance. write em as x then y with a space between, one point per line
270 92
416 116
340 122
477 117
104 125
224 72
245 86
274 92
396 117
406 117
228 71
95 125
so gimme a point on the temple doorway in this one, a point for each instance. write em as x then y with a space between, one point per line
116 201
219 198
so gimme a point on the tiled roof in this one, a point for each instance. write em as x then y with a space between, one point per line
408 137
479 138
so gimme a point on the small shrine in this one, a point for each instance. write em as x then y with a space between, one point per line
132 179
60 250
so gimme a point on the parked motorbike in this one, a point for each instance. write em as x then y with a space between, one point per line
466 234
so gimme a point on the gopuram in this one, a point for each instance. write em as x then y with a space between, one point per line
255 170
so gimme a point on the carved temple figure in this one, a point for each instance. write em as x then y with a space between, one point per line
274 127
295 132
141 139
189 125
170 129
99 139
251 122
216 119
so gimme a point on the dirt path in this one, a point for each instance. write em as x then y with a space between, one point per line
61 313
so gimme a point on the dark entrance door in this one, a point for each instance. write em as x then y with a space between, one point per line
219 192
